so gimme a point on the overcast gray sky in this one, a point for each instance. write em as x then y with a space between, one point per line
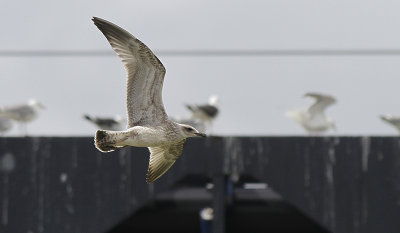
255 92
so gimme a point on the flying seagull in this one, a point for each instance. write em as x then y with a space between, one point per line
23 113
313 118
205 113
392 120
148 123
106 123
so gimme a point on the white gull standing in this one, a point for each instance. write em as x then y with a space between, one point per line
205 113
313 119
392 120
107 123
148 124
23 113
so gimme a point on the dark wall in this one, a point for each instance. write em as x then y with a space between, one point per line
66 185
347 184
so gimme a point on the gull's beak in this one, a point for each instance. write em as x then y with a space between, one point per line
201 135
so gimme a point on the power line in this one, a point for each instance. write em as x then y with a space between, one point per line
208 53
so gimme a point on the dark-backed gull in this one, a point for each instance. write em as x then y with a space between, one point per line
205 113
148 123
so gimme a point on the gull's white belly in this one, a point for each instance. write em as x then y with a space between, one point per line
140 136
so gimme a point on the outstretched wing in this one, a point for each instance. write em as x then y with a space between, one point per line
321 103
162 158
145 75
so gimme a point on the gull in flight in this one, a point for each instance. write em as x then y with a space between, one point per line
148 123
313 118
205 113
392 120
106 123
23 113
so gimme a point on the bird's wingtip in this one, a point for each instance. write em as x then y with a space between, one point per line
98 20
149 181
150 178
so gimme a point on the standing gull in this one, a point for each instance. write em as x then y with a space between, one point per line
106 123
148 123
205 113
313 118
23 113
392 120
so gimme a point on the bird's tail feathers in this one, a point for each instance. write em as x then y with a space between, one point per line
107 141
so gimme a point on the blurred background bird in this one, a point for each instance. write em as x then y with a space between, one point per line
392 120
5 125
313 119
23 113
107 123
205 114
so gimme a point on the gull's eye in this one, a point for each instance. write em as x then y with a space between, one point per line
189 129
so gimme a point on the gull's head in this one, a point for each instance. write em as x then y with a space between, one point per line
188 131
35 103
